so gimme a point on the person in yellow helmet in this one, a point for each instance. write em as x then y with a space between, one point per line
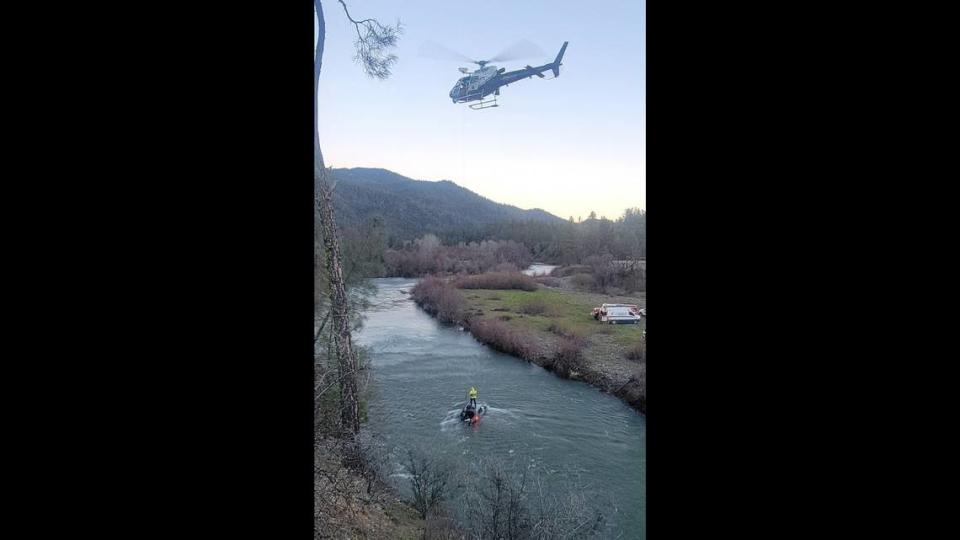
473 396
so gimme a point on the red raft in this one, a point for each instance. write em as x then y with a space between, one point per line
472 415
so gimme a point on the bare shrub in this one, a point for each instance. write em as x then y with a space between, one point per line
343 485
564 271
613 290
439 298
450 305
568 357
564 330
424 257
440 525
498 508
514 505
499 336
428 481
534 306
634 391
603 270
638 352
498 280
548 281
569 516
583 282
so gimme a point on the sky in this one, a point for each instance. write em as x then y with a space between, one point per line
570 146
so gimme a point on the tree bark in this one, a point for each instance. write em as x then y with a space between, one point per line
342 339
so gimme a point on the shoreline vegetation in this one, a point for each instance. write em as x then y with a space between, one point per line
471 278
545 320
366 229
357 502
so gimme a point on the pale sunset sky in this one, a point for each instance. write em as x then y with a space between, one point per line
570 146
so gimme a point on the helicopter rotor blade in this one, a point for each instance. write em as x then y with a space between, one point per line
436 51
517 51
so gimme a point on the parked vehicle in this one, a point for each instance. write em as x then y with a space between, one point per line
618 313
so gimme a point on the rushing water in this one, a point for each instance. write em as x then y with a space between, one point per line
575 437
539 269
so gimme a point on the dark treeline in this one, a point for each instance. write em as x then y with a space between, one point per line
472 250
428 255
569 242
599 254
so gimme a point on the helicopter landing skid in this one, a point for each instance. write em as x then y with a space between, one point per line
488 104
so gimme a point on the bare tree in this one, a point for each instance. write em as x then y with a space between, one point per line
428 481
514 505
373 40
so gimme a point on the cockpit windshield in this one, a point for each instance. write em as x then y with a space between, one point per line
462 86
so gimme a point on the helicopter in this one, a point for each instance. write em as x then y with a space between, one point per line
478 84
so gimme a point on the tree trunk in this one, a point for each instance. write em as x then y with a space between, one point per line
342 340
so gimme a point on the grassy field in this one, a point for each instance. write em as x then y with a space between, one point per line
538 310
550 326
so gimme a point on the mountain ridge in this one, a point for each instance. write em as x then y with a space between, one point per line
410 208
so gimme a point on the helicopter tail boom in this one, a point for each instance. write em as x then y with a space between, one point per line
556 63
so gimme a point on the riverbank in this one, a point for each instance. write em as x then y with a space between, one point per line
350 504
351 497
553 328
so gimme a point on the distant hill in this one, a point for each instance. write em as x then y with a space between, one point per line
411 208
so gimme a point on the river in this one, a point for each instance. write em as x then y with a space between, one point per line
539 269
575 438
